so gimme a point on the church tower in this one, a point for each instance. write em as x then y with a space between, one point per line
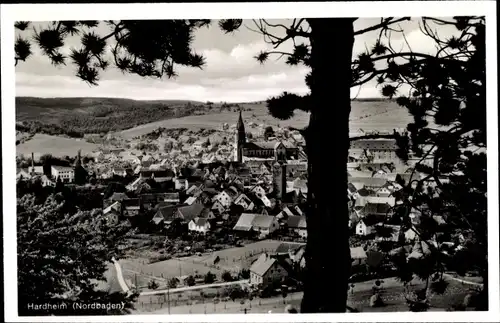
239 140
80 172
279 179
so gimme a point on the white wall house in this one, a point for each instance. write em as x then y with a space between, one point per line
66 174
201 225
266 270
362 229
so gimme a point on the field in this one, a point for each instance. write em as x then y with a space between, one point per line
57 146
366 115
163 270
234 259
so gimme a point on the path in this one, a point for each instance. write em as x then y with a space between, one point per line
119 275
468 282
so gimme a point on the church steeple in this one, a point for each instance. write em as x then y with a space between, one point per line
240 138
241 128
78 160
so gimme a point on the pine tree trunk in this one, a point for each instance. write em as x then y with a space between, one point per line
327 139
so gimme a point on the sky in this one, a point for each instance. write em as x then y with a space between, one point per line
231 73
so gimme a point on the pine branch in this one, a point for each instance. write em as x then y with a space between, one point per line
386 23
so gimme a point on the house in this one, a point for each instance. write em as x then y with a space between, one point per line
180 183
263 224
377 149
131 207
244 223
164 215
289 211
386 190
193 190
149 200
113 210
245 202
362 229
378 209
118 171
266 271
22 174
258 191
65 174
147 161
192 200
297 225
300 185
370 183
171 198
159 175
358 255
225 198
218 207
198 224
189 212
410 234
36 170
47 182
118 197
136 184
363 200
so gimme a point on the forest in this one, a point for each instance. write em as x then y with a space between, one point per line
75 117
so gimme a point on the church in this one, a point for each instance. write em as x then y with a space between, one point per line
278 150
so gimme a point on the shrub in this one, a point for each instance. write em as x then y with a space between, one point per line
190 281
209 278
226 276
152 284
173 282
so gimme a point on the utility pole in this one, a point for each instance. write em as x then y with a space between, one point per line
168 299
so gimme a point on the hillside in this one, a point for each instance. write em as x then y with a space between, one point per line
368 115
76 116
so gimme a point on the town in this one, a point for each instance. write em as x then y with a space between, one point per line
221 214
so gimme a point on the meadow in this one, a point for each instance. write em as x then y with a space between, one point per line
58 146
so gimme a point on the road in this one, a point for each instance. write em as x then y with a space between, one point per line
187 288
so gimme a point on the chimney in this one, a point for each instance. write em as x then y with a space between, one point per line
32 163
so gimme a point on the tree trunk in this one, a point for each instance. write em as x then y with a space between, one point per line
327 254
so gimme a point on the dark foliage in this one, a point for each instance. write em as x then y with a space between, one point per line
62 256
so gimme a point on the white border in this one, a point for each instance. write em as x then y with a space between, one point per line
46 12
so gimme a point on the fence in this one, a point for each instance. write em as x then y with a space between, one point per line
208 306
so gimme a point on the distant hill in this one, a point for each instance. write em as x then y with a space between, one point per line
366 115
76 116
